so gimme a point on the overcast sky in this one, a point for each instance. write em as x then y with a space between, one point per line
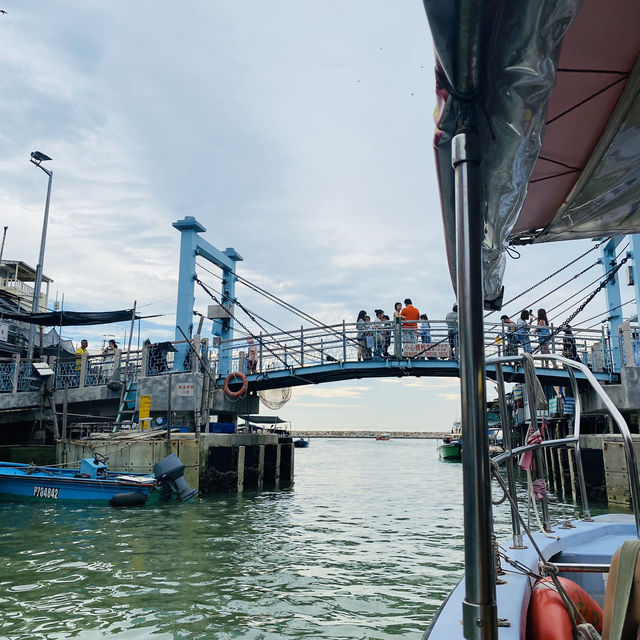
297 132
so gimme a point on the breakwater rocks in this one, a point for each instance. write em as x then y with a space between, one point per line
395 435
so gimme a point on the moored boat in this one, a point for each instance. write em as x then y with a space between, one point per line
301 443
383 436
450 449
535 142
93 482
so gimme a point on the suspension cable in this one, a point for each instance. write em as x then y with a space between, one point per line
601 286
595 246
285 305
605 275
566 282
604 313
253 315
215 299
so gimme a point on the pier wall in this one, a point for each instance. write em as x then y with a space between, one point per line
214 463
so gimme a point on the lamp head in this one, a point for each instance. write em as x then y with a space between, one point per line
37 157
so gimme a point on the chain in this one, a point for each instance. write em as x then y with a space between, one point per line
601 286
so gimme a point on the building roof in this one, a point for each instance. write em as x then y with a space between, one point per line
26 273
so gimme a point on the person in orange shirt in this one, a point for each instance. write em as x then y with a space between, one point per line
409 325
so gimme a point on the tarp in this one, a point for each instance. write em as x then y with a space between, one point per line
539 80
70 318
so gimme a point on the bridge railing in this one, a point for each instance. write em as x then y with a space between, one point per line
303 347
434 340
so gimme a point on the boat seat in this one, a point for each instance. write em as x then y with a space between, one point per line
623 594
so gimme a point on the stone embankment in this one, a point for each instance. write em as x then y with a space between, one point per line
395 435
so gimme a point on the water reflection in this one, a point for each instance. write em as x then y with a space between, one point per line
366 545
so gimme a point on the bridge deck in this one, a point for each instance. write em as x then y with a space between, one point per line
339 372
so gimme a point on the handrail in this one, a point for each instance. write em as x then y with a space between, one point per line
571 365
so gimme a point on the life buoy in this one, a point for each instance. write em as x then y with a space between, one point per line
548 618
236 375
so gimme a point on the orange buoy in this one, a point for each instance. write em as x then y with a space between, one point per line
236 375
548 618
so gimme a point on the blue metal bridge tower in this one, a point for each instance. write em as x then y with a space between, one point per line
191 246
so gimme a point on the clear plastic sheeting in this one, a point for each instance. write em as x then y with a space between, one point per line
513 62
604 200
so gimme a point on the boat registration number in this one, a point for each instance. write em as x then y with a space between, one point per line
45 492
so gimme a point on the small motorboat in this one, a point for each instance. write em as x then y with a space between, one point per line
384 436
450 449
93 482
301 443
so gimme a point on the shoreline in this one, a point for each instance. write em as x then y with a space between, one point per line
397 435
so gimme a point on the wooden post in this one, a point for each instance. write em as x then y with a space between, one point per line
561 468
552 476
572 473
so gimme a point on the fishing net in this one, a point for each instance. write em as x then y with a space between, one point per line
275 398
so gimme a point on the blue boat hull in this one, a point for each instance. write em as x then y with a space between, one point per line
19 482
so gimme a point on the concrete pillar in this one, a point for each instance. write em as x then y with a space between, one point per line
260 467
241 456
286 465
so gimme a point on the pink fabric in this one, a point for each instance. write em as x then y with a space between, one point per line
539 488
526 459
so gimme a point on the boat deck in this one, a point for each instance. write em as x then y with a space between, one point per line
585 542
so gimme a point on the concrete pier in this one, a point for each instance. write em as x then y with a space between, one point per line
214 463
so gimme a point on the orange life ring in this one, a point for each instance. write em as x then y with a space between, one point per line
548 618
243 387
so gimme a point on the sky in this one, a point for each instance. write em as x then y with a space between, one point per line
298 133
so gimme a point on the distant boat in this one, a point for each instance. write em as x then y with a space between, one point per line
301 443
384 436
450 449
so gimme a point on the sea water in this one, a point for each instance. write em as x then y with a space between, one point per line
367 544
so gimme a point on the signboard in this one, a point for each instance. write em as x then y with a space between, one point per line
425 350
184 389
218 311
144 411
4 332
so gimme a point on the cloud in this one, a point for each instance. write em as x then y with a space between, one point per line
449 396
331 392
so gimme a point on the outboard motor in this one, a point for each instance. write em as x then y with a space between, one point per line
170 474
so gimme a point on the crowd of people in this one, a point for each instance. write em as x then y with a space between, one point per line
407 326
518 334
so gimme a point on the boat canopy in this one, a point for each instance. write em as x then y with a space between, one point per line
553 90
69 318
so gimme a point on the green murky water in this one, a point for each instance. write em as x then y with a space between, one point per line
367 545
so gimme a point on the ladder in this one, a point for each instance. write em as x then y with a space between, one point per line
127 407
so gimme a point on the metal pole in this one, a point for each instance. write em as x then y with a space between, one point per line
511 463
577 413
35 307
4 236
479 609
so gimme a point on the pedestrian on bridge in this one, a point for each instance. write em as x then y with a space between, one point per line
452 332
510 340
410 326
361 335
522 331
252 356
380 333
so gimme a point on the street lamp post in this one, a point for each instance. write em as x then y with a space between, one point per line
38 158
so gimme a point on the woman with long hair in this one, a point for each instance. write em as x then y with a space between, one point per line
361 325
543 331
